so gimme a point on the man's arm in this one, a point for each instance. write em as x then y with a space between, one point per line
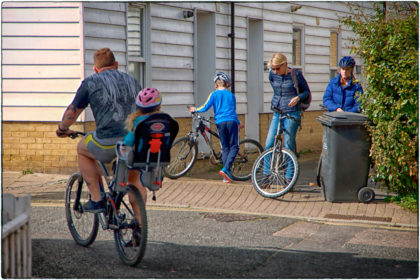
69 117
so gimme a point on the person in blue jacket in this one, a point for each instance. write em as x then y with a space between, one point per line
224 105
343 91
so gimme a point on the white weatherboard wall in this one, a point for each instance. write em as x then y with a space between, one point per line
104 26
47 49
41 59
173 46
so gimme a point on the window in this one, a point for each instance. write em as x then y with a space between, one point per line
297 47
135 42
334 54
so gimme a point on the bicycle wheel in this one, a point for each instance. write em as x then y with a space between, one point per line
278 180
131 234
183 155
83 226
249 151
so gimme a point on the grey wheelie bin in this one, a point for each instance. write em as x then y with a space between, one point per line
344 164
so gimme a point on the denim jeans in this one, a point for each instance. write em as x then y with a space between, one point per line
289 128
229 139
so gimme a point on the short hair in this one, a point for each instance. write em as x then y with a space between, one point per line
221 83
103 58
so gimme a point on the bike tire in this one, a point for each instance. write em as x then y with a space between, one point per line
273 183
130 230
183 156
249 151
83 226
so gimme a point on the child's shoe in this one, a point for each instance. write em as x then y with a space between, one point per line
226 174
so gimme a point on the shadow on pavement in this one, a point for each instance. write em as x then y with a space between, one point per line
64 259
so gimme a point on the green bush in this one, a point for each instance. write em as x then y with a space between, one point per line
388 44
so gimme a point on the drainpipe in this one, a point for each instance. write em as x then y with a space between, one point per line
232 44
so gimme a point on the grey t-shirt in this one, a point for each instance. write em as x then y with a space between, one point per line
111 94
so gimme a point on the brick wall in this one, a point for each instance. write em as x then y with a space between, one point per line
307 138
34 145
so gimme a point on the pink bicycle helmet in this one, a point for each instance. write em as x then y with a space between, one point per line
148 98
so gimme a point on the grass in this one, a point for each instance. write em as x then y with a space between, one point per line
27 171
408 202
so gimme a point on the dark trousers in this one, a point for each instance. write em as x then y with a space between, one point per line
229 139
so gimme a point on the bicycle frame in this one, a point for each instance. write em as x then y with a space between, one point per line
201 129
278 142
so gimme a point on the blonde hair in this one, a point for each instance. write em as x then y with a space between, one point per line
130 118
277 59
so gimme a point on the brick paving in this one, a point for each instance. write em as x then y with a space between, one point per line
306 202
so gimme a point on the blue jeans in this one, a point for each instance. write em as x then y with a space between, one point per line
229 139
289 127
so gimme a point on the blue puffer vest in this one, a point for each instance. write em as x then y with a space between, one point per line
284 91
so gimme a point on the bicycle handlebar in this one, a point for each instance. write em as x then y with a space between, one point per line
76 134
285 115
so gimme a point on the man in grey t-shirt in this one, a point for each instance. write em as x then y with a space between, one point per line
111 95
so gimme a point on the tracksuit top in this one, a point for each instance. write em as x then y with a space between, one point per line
224 106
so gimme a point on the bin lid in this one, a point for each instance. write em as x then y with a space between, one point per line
342 118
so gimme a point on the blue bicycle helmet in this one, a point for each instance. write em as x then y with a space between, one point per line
347 61
223 77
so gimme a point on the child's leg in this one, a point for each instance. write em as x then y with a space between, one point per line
224 140
233 145
134 179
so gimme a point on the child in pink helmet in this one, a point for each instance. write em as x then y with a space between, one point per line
148 101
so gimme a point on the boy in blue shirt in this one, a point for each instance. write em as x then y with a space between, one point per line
224 105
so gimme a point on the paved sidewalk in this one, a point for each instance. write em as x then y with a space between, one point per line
306 202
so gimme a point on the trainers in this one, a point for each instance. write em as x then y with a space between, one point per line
226 174
226 181
94 207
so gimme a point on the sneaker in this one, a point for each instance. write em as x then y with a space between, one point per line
226 174
94 207
226 181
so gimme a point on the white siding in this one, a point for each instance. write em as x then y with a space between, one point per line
41 59
104 26
47 48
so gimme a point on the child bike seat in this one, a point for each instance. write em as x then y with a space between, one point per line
153 140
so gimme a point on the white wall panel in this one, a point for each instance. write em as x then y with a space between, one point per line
41 59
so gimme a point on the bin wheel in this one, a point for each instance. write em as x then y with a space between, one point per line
366 195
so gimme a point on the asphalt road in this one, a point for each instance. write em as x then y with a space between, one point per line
194 244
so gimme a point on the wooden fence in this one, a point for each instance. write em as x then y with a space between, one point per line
16 237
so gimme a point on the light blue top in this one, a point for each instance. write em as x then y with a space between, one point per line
130 137
224 106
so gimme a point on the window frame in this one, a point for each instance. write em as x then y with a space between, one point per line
334 70
140 63
301 28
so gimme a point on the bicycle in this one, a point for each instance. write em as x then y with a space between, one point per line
130 232
276 170
184 152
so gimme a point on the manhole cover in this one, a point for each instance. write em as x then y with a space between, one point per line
354 217
226 217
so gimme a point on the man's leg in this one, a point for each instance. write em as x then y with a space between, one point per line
89 169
